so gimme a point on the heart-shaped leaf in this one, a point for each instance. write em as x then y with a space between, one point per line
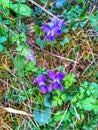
42 117
47 101
21 9
60 3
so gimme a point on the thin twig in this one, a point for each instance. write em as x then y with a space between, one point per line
60 57
96 35
74 65
77 115
33 122
47 4
91 52
88 66
36 108
35 3
14 111
62 117
7 28
10 85
8 126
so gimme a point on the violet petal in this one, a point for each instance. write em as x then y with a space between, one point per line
61 87
59 32
45 38
50 88
36 80
55 21
52 75
56 30
61 23
43 89
46 28
50 38
42 78
55 85
60 76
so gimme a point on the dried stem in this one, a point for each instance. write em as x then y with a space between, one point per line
60 57
62 117
88 67
35 3
77 115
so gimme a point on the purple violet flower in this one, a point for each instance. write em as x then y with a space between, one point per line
50 32
56 77
58 22
54 29
41 82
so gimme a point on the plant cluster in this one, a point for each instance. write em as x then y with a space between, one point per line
54 85
48 64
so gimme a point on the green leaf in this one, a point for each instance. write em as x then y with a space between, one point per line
94 23
66 40
30 66
18 38
94 89
50 43
60 3
2 31
23 28
23 49
82 90
65 30
96 74
23 96
5 3
58 92
91 18
69 80
82 24
23 37
54 103
74 26
80 1
60 68
69 97
42 117
58 116
3 39
21 1
96 29
37 29
87 104
20 64
7 22
40 42
96 108
77 48
63 97
38 11
1 48
21 9
30 91
47 101
60 101
43 1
